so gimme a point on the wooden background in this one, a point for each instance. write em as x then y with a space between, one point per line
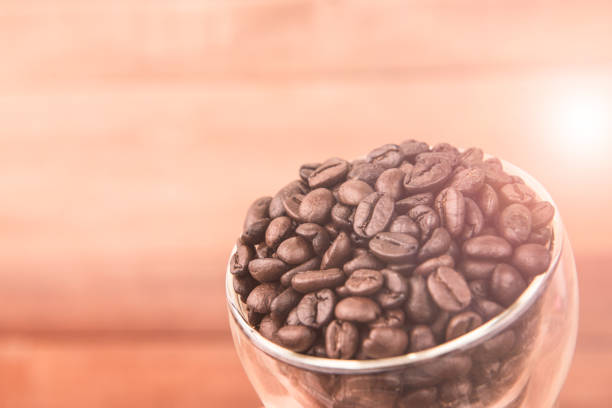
134 134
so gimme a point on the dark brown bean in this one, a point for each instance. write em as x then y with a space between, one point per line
310 281
341 340
316 206
276 208
278 230
253 317
391 182
328 173
431 265
461 324
506 285
419 307
267 269
515 223
496 178
405 225
292 318
541 236
385 342
386 156
296 338
338 252
373 214
306 170
367 172
257 211
291 204
269 325
256 232
496 348
342 217
406 204
364 282
412 148
428 173
477 268
357 309
449 289
472 157
450 205
263 251
352 191
487 247
362 261
243 285
479 288
317 308
240 259
389 299
488 202
261 297
469 181
310 265
421 338
284 302
474 220
531 259
316 234
517 193
541 214
406 167
427 219
437 245
394 247
294 251
487 309
390 318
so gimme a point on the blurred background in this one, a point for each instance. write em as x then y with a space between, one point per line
134 134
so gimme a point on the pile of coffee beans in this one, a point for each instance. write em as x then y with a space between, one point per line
404 250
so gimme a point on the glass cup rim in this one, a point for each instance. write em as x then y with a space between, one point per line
486 331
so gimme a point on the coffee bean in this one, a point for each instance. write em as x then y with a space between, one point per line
296 338
430 265
307 169
487 309
292 318
276 208
284 302
493 163
386 156
256 232
351 192
405 225
328 173
261 297
406 167
373 214
517 193
428 173
488 202
531 259
421 338
449 289
388 299
412 148
243 285
394 247
421 398
367 172
390 318
278 230
316 234
541 214
357 309
472 157
341 340
541 236
437 245
364 282
316 206
406 204
515 223
362 261
337 253
385 342
507 284
479 288
294 251
368 390
267 269
474 220
427 219
310 281
253 317
419 307
257 211
391 182
438 327
456 391
487 247
461 324
469 181
342 217
496 348
240 259
405 268
269 325
263 251
496 178
310 265
317 308
451 208
477 268
291 204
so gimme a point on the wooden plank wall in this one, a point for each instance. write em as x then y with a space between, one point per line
133 135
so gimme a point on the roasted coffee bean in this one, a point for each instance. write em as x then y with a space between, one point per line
487 247
257 211
406 167
493 163
342 291
405 225
394 247
243 285
515 223
421 398
269 325
341 340
496 348
364 282
437 245
291 204
316 206
427 219
331 228
421 338
352 191
367 172
479 288
294 251
428 173
278 230
474 220
256 232
267 269
263 251
338 252
477 268
472 157
362 261
403 268
486 308
469 181
395 281
310 265
385 342
373 214
419 307
359 241
307 169
449 289
541 236
391 182
496 178
292 318
390 318
261 297
450 205
446 147
517 193
386 156
310 281
456 391
253 317
240 259
317 235
531 259
507 284
284 302
276 208
432 264
406 204
357 309
328 173
461 324
389 299
412 148
369 390
317 308
541 214
296 338
341 217
488 202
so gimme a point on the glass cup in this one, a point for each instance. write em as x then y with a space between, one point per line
519 358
